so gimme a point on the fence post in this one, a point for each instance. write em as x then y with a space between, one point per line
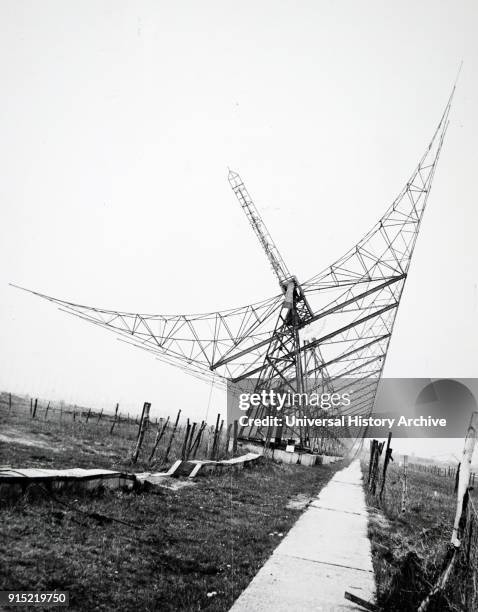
388 457
159 435
142 430
99 417
375 466
370 462
191 439
141 419
228 438
197 441
35 408
114 422
457 477
209 431
213 452
88 415
9 402
404 483
218 445
464 478
46 411
185 441
171 438
234 441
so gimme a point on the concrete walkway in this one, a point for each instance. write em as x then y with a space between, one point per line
326 553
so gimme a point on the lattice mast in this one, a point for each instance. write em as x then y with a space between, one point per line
350 307
259 228
284 348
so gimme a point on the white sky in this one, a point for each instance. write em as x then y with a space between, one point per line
118 122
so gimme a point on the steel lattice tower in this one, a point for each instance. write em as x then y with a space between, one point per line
354 300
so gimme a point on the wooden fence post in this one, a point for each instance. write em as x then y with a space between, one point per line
171 438
209 430
185 442
9 403
228 438
234 442
141 419
404 483
159 435
464 479
197 441
213 452
31 407
375 466
457 478
99 417
46 411
88 415
143 426
191 441
218 445
459 523
114 422
373 443
388 457
35 408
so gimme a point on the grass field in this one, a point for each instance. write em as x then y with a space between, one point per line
192 548
408 548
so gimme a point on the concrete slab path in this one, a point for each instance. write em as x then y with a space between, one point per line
326 553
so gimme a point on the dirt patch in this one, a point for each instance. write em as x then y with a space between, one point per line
175 485
298 502
12 436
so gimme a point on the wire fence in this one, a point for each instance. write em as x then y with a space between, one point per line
151 443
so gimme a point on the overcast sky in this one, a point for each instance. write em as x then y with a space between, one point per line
118 123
